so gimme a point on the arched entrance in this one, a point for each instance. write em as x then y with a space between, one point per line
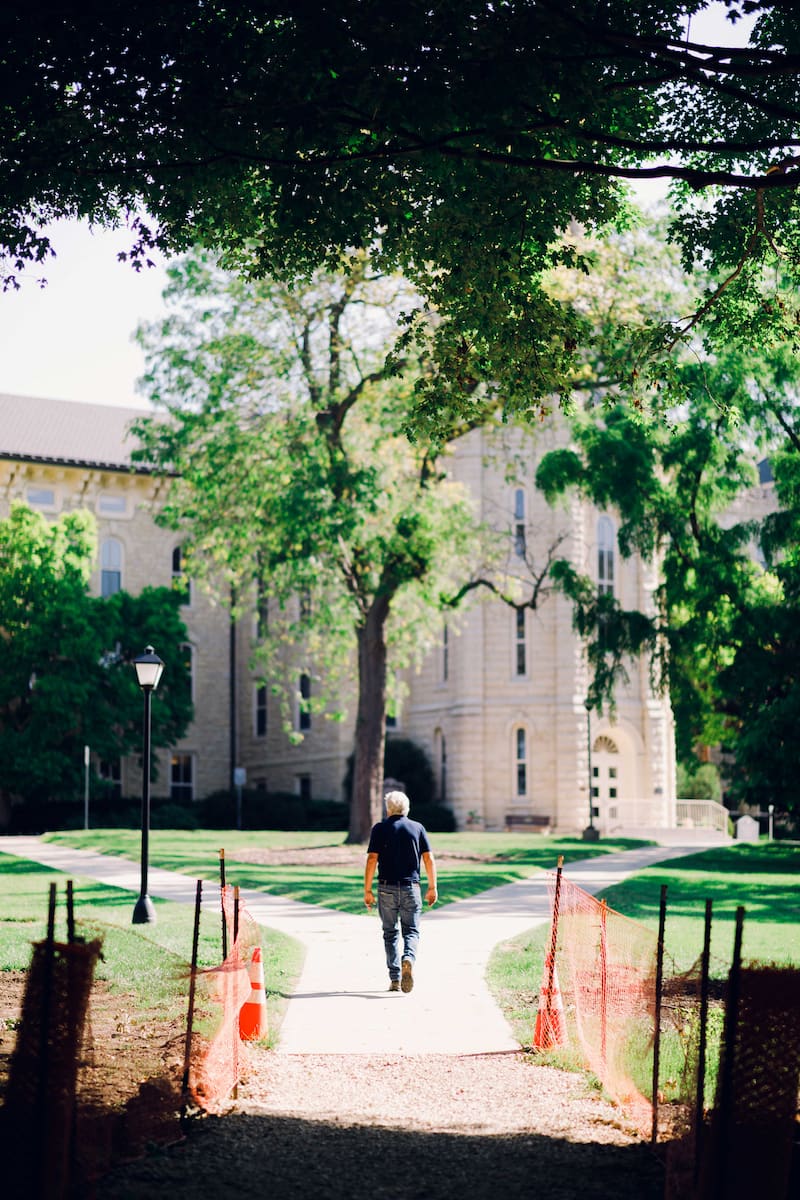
607 782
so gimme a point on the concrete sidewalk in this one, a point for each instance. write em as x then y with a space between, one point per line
341 1004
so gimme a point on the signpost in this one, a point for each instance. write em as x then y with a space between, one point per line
239 780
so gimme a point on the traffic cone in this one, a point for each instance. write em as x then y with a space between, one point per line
253 1013
550 1030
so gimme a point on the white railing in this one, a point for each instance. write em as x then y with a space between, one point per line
634 813
702 814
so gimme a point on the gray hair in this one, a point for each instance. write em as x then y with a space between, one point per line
397 802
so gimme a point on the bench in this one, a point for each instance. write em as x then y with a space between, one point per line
527 822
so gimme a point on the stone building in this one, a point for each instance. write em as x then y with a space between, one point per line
500 706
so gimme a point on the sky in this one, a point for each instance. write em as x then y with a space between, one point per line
73 338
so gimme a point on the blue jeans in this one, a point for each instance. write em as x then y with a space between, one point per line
399 902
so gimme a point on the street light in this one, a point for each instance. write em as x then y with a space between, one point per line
148 668
590 834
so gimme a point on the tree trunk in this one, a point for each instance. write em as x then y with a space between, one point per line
366 804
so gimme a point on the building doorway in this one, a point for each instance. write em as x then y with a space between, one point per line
606 782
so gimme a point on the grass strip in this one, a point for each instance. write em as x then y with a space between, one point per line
149 961
469 863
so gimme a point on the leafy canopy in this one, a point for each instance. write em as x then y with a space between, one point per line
463 139
66 679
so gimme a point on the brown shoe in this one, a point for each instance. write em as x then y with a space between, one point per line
407 979
394 985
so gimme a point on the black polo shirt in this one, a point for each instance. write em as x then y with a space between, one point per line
399 844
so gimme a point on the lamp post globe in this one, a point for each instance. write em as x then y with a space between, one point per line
149 668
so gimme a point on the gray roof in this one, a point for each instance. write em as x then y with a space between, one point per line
67 432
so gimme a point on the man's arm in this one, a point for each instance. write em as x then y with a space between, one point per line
369 875
430 870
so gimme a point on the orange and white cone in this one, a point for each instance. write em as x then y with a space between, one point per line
253 1013
550 1030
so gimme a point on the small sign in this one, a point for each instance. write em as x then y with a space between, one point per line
746 830
239 776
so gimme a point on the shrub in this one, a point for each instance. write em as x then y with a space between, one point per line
169 815
329 814
271 810
408 762
435 817
699 781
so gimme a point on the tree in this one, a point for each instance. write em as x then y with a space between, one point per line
722 634
465 140
66 679
293 481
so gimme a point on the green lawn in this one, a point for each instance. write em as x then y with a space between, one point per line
149 960
196 853
764 878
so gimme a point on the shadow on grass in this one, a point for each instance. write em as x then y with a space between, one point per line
21 866
282 1156
764 858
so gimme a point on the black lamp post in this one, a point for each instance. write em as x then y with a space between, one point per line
148 673
590 834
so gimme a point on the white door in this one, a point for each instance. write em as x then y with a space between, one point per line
606 783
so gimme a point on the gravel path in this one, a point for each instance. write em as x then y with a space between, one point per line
436 1127
321 1117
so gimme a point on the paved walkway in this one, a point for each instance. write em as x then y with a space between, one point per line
341 1004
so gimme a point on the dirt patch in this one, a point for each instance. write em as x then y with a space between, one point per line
130 1069
335 856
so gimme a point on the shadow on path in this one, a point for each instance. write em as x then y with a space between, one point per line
245 1154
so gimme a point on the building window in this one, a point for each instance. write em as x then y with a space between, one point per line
443 770
520 648
39 497
519 523
521 763
304 788
109 505
445 653
605 557
180 583
304 713
111 774
262 612
261 710
187 650
181 781
110 567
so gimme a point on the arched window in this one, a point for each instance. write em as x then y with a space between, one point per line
521 759
110 567
519 523
605 556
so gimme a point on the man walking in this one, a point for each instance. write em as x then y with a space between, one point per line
396 846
